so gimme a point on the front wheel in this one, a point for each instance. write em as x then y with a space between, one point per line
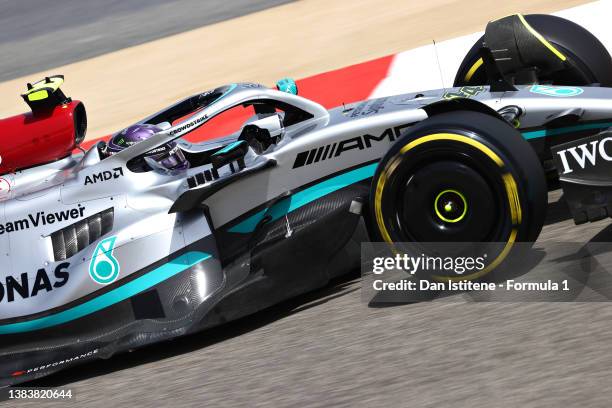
460 177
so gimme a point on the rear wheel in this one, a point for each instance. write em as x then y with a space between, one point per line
589 60
460 177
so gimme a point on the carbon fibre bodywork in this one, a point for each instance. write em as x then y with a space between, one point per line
99 258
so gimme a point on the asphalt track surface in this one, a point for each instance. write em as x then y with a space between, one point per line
328 348
36 35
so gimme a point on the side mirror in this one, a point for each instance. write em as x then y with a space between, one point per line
262 133
287 85
272 123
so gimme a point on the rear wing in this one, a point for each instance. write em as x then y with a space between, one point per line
45 94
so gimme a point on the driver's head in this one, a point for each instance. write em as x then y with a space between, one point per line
168 156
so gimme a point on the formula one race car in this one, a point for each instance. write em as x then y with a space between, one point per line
148 237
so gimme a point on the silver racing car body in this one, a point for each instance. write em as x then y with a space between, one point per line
99 257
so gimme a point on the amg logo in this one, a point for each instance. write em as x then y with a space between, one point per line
24 288
104 176
336 149
41 218
585 154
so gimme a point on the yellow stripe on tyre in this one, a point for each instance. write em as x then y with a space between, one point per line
473 69
513 197
457 138
543 40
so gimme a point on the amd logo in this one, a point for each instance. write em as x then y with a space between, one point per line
584 155
104 176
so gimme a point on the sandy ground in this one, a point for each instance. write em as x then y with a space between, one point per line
297 39
36 35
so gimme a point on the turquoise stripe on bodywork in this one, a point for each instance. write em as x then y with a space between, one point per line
308 195
534 134
115 296
229 147
229 89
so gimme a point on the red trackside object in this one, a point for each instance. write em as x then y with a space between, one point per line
32 139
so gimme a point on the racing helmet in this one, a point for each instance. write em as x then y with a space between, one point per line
169 156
